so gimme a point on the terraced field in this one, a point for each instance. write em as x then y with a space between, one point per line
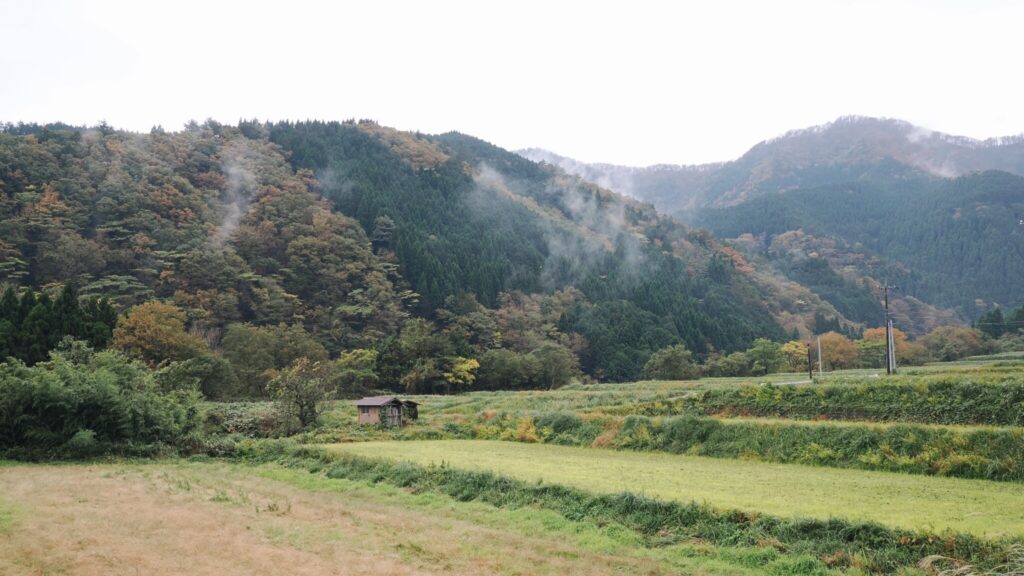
913 502
720 482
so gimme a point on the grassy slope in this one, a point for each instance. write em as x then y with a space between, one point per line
232 519
597 397
575 397
915 502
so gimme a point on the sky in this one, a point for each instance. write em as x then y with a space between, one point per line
629 82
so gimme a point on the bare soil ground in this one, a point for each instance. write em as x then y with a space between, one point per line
220 519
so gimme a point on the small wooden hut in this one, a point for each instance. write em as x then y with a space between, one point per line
386 410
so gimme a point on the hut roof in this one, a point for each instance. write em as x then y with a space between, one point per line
377 401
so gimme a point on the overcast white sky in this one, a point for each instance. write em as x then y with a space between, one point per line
629 82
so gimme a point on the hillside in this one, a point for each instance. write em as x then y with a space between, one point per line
886 200
484 221
355 232
849 149
215 222
956 241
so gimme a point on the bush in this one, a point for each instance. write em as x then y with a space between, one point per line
249 419
671 363
82 445
637 433
208 373
566 428
102 401
683 433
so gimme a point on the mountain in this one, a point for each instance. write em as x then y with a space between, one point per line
669 187
877 200
367 237
848 149
214 221
953 243
469 217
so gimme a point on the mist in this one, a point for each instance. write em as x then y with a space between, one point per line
583 224
240 185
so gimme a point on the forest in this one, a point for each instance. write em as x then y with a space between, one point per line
423 255
266 259
953 243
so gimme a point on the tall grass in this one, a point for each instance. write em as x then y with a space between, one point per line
993 454
997 399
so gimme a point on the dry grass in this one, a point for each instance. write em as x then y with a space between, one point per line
219 519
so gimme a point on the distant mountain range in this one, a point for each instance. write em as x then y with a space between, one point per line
876 199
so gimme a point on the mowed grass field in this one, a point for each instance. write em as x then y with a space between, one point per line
230 519
983 508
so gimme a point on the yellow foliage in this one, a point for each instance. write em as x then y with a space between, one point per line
795 352
154 332
419 153
526 430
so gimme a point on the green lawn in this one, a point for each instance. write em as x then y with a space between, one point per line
917 502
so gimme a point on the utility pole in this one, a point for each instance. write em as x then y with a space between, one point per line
810 364
890 352
821 363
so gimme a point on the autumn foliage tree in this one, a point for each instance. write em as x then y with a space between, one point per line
154 332
837 351
947 343
795 353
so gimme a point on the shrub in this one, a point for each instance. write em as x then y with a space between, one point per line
249 419
566 428
636 433
208 373
683 433
82 445
102 401
671 363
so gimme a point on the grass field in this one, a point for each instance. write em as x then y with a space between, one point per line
225 519
596 398
975 506
575 397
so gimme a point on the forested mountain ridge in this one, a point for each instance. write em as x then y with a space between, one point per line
215 222
353 232
954 243
888 201
852 148
486 221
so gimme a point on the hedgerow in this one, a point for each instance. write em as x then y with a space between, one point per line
945 400
996 454
983 453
